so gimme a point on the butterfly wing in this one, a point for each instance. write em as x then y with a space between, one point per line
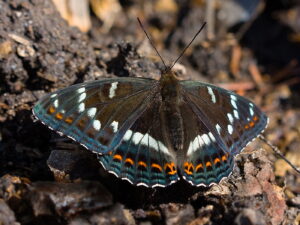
96 114
222 124
143 157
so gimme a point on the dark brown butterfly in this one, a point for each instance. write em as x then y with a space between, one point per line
153 133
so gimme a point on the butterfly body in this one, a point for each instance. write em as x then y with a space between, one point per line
171 118
153 133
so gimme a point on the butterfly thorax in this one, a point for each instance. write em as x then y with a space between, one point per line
170 87
170 112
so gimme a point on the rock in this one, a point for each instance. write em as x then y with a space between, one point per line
250 217
67 199
71 165
176 214
112 216
7 216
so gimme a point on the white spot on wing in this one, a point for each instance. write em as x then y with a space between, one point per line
96 125
230 129
194 145
127 135
251 110
112 90
53 95
218 128
236 114
82 97
114 125
205 139
146 140
55 103
137 137
230 118
81 107
91 112
199 141
212 137
81 90
233 101
213 97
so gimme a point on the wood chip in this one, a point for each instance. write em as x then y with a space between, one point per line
236 60
19 39
5 48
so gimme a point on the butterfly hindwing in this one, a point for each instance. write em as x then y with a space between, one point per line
224 123
143 156
200 164
96 114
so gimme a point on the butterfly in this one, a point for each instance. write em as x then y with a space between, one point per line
154 132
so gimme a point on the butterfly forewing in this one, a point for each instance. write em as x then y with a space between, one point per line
143 156
224 123
96 114
235 119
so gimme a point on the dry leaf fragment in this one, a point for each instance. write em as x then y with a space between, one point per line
75 12
106 10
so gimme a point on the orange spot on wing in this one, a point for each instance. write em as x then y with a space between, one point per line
188 168
199 166
118 157
217 160
251 124
246 126
59 116
171 167
51 110
141 163
208 164
69 120
154 165
255 118
129 160
224 158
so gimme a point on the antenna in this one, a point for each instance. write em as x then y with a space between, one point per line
186 47
277 151
152 43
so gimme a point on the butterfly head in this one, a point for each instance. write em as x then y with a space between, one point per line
168 75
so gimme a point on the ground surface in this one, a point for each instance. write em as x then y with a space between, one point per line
46 179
